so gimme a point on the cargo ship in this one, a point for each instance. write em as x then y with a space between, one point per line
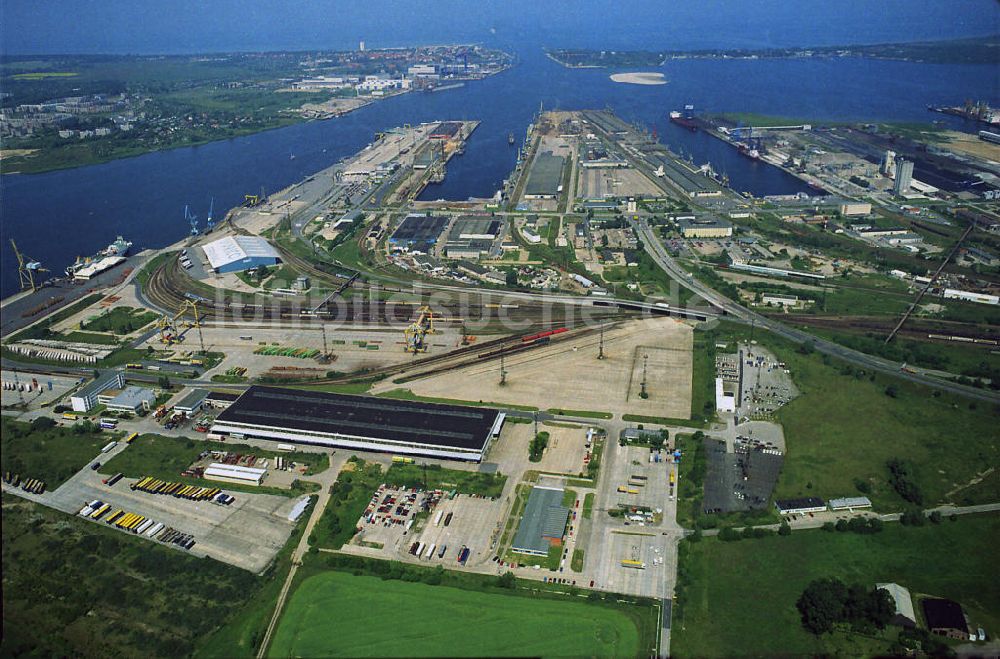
109 257
685 118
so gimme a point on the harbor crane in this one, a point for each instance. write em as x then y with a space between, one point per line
26 269
192 218
169 334
415 334
209 221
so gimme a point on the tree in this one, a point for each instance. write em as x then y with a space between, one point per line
42 423
891 391
821 605
784 529
164 382
507 580
511 277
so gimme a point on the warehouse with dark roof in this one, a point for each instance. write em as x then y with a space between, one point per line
545 177
364 423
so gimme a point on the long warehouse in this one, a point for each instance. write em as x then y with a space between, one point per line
361 422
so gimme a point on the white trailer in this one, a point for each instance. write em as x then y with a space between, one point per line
437 519
142 528
420 550
109 446
156 529
430 552
285 447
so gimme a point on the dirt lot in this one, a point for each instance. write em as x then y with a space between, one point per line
349 355
972 145
568 375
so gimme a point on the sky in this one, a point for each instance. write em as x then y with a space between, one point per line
187 26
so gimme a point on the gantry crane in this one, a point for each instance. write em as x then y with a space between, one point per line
415 333
26 269
169 333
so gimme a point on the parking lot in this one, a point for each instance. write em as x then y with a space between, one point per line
247 533
401 518
765 383
34 391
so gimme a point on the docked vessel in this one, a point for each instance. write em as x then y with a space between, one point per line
685 118
86 267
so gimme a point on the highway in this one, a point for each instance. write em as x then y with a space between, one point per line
739 313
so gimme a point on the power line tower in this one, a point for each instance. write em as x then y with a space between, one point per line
642 392
600 346
503 369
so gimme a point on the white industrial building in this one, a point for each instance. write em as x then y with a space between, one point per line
237 253
969 296
218 471
131 400
86 398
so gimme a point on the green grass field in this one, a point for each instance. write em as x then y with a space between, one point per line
844 427
741 595
440 478
167 457
51 455
336 614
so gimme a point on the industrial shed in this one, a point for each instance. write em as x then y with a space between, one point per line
225 473
904 615
543 524
545 177
238 253
364 423
418 231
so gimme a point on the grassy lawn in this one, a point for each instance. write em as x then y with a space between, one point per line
440 478
588 505
74 588
349 497
167 457
723 579
330 614
576 564
119 320
51 455
89 337
844 428
580 413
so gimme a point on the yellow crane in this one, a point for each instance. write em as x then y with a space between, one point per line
169 334
415 333
26 269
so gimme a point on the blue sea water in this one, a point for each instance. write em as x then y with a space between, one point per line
58 215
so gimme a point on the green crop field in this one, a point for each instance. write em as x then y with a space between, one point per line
741 595
337 614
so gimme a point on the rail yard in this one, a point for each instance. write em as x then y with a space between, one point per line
512 384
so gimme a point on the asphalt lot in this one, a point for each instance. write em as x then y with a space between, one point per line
220 532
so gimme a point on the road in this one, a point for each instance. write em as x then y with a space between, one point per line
737 312
817 521
326 479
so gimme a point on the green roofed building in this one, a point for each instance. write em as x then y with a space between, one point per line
543 524
545 178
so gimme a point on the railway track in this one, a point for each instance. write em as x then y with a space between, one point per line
917 330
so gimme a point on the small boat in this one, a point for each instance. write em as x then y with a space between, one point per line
510 138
